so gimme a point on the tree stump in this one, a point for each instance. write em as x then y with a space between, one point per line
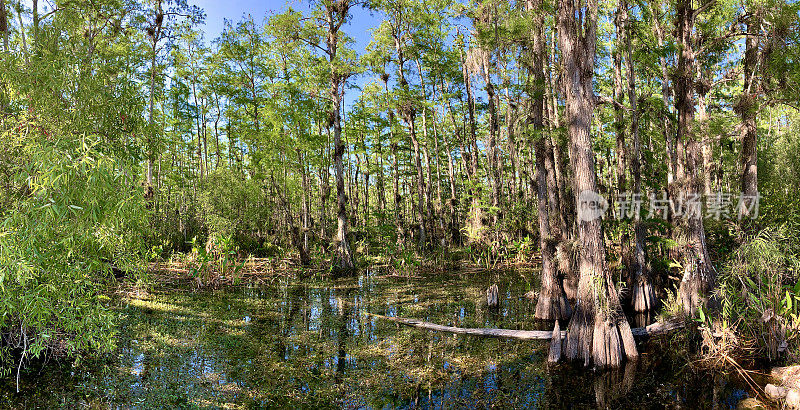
492 296
555 345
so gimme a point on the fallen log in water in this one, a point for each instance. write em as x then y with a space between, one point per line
650 330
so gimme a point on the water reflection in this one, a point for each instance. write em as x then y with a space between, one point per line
306 342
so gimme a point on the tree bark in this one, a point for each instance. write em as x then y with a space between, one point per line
567 264
598 331
619 117
475 219
643 297
335 15
699 275
552 303
4 24
747 108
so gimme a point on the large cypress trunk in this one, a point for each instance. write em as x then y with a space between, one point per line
564 256
343 261
598 331
552 303
699 275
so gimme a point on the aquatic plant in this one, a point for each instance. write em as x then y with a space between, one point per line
759 296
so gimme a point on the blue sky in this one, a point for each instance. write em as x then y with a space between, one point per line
217 11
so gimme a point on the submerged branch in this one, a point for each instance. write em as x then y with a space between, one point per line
650 330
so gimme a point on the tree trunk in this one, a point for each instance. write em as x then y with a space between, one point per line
408 113
598 331
306 189
658 328
325 189
149 192
380 181
567 264
475 220
643 297
669 140
455 233
35 10
398 212
294 231
398 207
336 14
439 199
747 108
706 151
699 275
428 187
493 156
552 303
619 117
367 174
4 24
511 144
344 258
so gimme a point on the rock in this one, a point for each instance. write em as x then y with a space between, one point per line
750 404
788 376
793 399
775 392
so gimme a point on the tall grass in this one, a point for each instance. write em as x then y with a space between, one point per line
758 296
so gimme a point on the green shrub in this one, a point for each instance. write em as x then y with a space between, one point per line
759 293
58 247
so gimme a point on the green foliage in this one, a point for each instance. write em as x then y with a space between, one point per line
524 249
228 203
72 212
779 176
759 292
58 245
217 261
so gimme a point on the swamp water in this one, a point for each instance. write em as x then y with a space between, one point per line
306 343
